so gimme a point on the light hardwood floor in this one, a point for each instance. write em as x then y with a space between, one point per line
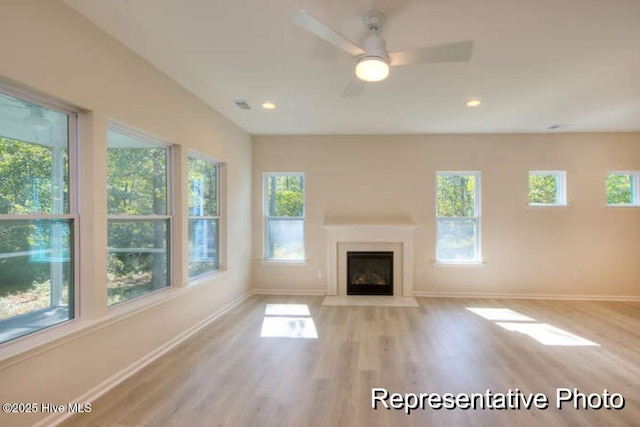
227 375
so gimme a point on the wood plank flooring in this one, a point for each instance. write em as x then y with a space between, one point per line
227 375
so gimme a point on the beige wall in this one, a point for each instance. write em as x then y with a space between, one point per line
47 47
583 249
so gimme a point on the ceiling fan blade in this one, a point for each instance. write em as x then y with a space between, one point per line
319 29
354 89
452 52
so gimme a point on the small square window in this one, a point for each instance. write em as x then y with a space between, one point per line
547 188
622 188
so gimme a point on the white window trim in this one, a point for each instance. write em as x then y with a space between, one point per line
151 140
477 243
635 177
265 219
218 165
561 186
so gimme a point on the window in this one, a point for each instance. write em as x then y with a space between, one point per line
547 188
139 221
458 216
204 215
623 188
37 216
284 216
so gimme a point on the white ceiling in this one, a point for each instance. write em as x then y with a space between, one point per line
536 63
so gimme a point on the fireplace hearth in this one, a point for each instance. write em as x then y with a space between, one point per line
369 273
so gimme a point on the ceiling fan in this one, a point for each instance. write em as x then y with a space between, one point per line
372 58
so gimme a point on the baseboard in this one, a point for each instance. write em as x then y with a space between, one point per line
432 294
105 386
311 292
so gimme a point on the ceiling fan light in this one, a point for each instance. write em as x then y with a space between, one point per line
372 69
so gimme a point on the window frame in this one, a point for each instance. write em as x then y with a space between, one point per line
218 166
266 217
561 187
477 260
168 216
69 214
635 188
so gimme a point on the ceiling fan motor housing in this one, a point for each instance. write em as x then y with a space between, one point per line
375 46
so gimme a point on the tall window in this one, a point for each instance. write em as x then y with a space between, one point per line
623 188
139 221
204 215
458 217
37 218
284 216
547 188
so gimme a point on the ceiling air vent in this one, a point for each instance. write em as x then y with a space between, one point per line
242 104
558 126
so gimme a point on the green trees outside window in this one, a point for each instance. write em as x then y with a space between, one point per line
204 216
284 216
622 188
547 188
36 223
458 215
138 224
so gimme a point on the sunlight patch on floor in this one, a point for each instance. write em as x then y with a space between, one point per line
287 310
546 334
288 321
500 314
542 332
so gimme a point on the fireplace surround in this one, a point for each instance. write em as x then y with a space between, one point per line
343 237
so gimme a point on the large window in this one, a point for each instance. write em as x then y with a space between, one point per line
37 218
284 216
547 188
204 215
458 217
623 188
139 221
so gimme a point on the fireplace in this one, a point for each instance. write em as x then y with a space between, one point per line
369 273
346 236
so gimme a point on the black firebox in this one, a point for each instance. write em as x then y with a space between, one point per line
369 273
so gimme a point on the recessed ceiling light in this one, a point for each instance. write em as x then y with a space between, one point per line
268 105
473 102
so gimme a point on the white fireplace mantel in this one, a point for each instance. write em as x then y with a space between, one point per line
361 234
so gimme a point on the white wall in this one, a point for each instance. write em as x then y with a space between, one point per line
584 249
48 48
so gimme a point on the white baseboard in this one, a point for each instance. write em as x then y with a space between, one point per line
311 292
435 294
97 391
438 294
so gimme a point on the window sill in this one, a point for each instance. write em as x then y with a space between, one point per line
284 262
446 264
205 277
618 206
58 334
33 322
543 206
